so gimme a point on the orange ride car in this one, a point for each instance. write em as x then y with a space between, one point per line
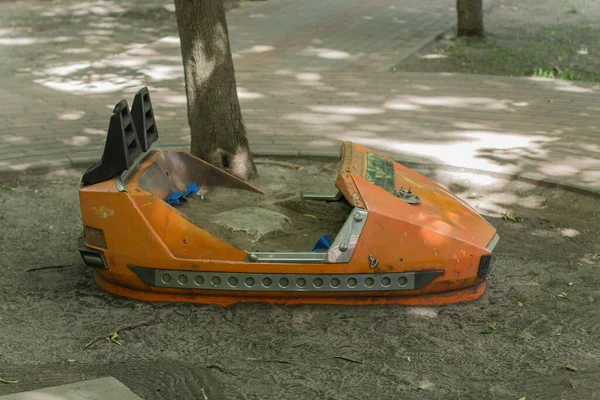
417 246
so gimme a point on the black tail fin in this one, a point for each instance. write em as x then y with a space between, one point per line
121 149
143 119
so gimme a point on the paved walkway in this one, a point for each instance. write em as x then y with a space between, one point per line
312 74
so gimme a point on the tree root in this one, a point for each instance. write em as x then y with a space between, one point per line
49 267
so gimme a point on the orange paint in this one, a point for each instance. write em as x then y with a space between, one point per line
141 229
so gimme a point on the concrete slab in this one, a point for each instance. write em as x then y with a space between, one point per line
107 388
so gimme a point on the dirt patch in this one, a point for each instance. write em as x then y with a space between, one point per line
257 222
558 40
542 304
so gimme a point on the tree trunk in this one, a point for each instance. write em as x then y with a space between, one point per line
470 18
214 115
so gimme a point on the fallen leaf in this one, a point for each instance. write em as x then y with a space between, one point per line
508 217
8 381
520 303
423 387
70 360
571 367
113 338
570 284
523 398
486 331
563 295
493 326
310 216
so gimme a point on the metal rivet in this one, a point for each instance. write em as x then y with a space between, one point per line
369 282
335 282
182 279
250 282
266 282
253 257
352 282
318 282
232 281
402 281
165 278
300 282
215 280
385 281
358 217
199 280
284 282
343 247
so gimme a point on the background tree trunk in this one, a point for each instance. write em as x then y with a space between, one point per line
214 115
470 18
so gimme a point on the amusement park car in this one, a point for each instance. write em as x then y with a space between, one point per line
404 240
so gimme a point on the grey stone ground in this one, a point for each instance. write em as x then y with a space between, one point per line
310 74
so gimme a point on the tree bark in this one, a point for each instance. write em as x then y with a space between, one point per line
214 115
470 18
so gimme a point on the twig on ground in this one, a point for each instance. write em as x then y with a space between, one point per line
221 369
116 331
347 359
49 267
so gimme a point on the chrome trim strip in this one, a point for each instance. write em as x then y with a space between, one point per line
341 249
493 242
238 281
120 185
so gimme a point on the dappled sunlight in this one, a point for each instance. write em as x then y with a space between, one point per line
455 102
468 125
308 77
23 41
106 83
401 106
66 69
569 232
329 54
94 131
76 50
244 94
77 141
433 56
257 49
70 115
15 139
347 110
308 118
562 85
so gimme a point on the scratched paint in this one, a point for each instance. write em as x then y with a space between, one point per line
104 212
